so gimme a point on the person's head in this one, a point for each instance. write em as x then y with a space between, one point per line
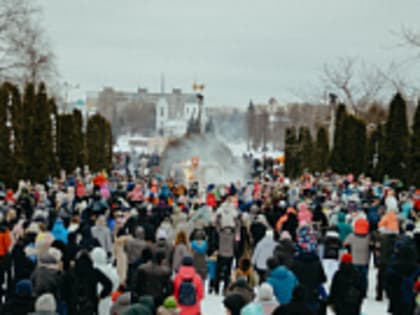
346 259
187 261
234 303
46 303
83 263
147 254
181 238
265 292
272 263
160 256
252 309
244 264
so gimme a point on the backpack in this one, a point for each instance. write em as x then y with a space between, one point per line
187 296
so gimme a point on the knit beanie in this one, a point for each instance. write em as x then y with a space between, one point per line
170 303
265 292
187 261
45 303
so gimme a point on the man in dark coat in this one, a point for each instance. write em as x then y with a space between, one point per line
153 278
399 281
22 302
81 285
346 289
297 306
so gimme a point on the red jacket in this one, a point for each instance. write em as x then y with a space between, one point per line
188 272
5 240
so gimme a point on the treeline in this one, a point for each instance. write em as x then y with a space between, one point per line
36 142
391 148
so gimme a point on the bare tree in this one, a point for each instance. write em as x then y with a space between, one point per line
355 82
411 37
25 53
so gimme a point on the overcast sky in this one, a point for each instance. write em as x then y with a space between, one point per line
239 49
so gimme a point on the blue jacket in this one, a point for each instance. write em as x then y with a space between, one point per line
59 232
283 282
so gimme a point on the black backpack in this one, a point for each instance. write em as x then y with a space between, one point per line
187 295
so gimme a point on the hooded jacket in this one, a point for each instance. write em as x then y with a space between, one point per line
100 261
283 282
59 232
188 272
199 249
134 247
344 229
263 251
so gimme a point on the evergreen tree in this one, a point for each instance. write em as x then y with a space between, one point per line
5 128
18 169
66 143
290 166
321 151
415 150
41 136
306 150
396 145
28 117
78 138
338 151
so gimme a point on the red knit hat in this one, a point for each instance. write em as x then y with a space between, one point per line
361 226
346 258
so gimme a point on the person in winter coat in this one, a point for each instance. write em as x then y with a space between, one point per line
359 244
99 258
188 288
102 233
59 232
82 286
288 222
263 251
384 251
163 245
227 214
246 271
88 242
181 249
153 279
5 242
344 229
47 277
133 248
241 287
199 249
169 307
45 305
304 215
267 299
297 306
224 257
331 253
346 293
308 268
258 228
285 249
22 302
283 281
400 280
233 304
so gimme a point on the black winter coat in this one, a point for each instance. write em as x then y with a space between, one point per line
346 293
18 305
309 271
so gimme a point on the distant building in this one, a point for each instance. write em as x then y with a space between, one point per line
148 113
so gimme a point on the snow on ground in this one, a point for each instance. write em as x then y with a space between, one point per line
213 304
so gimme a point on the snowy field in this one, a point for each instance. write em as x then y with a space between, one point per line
212 304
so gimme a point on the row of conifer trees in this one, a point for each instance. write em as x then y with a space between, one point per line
36 141
391 148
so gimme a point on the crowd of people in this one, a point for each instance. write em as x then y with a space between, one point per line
98 244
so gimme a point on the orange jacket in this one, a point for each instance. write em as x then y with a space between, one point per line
390 222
